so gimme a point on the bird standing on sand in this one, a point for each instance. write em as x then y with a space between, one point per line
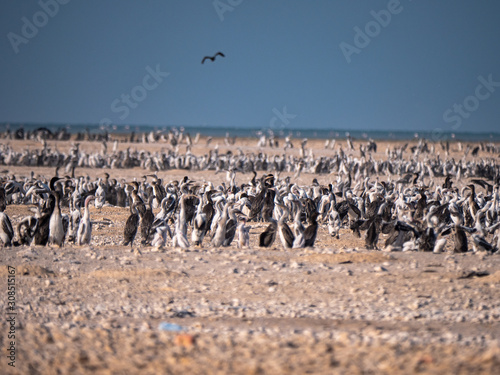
42 232
285 233
441 240
298 230
460 240
243 234
180 235
56 228
160 236
199 226
220 233
266 238
208 209
180 238
334 223
41 236
231 226
147 219
83 235
100 195
74 218
131 226
212 58
311 231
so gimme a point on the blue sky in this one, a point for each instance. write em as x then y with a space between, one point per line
417 65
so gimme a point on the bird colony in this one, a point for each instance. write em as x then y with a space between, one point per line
410 195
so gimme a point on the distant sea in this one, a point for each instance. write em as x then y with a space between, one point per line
310 133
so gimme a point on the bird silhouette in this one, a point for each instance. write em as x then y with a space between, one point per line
212 58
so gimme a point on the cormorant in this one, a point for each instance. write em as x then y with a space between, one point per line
212 58
84 233
131 226
311 230
56 227
243 234
284 231
266 238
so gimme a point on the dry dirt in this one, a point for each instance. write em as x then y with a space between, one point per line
336 308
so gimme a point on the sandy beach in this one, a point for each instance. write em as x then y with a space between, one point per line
339 308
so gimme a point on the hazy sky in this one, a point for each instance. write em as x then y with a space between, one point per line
410 65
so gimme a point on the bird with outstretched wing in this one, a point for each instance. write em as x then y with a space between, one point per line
212 58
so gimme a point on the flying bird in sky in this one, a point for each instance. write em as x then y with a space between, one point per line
212 57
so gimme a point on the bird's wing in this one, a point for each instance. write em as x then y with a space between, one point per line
481 241
478 182
493 228
220 54
203 60
7 227
289 235
388 227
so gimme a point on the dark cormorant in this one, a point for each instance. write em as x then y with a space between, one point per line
311 231
231 226
460 243
131 226
147 219
42 233
266 238
427 240
208 209
212 58
268 206
448 182
372 232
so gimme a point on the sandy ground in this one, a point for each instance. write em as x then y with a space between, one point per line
336 308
